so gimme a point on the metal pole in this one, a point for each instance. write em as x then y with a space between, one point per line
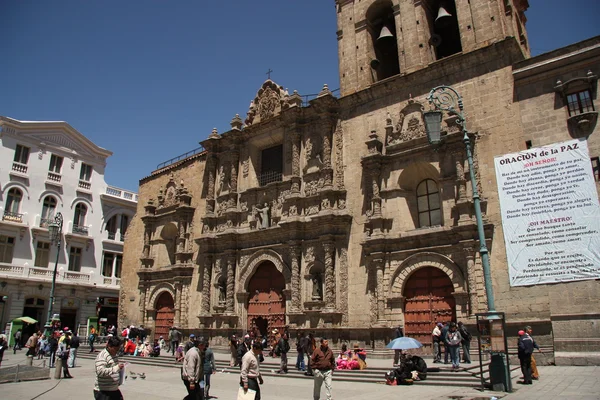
445 98
59 221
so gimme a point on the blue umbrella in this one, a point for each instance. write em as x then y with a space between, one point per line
404 343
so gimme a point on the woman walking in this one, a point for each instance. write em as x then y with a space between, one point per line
454 339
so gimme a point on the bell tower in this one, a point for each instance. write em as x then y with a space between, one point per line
380 39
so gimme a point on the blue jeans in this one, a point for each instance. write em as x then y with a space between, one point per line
454 355
300 361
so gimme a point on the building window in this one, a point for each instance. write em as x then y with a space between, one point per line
428 204
111 228
22 154
124 225
13 201
580 102
86 172
118 265
79 219
596 168
75 259
42 254
48 209
107 264
271 165
55 164
7 244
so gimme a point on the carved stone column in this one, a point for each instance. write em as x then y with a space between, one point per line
211 166
328 248
376 198
327 146
206 285
230 285
379 266
233 179
461 182
295 141
472 280
177 299
295 252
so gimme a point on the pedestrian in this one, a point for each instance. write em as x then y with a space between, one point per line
108 370
444 335
398 333
436 336
3 346
310 345
31 345
300 349
190 343
535 375
92 338
233 346
73 350
192 371
42 347
466 343
283 347
17 336
176 339
525 351
250 377
63 353
322 362
170 342
209 368
53 345
453 341
243 348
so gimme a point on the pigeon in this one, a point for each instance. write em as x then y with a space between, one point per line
142 376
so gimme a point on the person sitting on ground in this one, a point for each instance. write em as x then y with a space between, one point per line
179 354
155 349
360 356
344 358
415 365
129 348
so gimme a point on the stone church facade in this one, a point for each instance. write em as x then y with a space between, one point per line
337 215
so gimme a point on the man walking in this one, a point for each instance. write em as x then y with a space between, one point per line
53 344
17 336
244 348
192 371
436 335
108 368
300 349
466 343
283 348
444 341
250 377
209 368
309 347
73 351
92 338
322 363
176 338
525 351
398 333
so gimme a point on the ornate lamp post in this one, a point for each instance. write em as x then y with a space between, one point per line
55 232
445 98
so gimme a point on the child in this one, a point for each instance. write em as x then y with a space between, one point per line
179 354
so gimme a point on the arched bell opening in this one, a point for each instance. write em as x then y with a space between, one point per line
444 29
384 40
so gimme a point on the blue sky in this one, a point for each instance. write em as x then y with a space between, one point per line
149 79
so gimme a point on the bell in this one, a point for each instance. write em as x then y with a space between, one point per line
443 18
375 63
385 34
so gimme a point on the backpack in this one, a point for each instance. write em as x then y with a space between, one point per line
286 347
454 339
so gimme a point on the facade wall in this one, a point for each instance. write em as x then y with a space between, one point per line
27 225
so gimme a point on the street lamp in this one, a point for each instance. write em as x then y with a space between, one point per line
55 232
445 98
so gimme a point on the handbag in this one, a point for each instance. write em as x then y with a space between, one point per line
248 395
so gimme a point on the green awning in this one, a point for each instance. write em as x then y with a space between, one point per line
27 320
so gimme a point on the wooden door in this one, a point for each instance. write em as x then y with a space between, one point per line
266 299
165 314
429 300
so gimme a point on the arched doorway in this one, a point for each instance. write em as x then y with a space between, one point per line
429 300
165 314
266 303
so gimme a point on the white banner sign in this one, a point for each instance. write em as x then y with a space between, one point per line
550 214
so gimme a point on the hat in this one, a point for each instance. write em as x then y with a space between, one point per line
356 346
521 333
192 336
161 337
247 336
440 324
66 329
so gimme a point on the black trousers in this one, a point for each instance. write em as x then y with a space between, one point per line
193 394
526 368
253 384
108 395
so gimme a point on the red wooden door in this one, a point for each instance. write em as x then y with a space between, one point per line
429 300
266 301
165 315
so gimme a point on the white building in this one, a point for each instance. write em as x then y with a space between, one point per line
48 168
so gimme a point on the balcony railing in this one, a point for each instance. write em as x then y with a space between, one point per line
111 235
85 184
123 194
269 177
18 167
80 230
12 217
44 222
45 274
54 177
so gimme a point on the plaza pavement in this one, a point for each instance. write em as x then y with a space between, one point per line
578 383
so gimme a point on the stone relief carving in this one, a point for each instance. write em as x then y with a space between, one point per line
262 216
343 276
270 100
312 155
317 286
338 139
410 124
293 210
309 254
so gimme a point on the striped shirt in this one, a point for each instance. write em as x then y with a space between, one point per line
107 372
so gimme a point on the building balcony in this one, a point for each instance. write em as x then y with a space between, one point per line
19 168
12 217
116 192
80 230
85 185
269 177
45 274
53 177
